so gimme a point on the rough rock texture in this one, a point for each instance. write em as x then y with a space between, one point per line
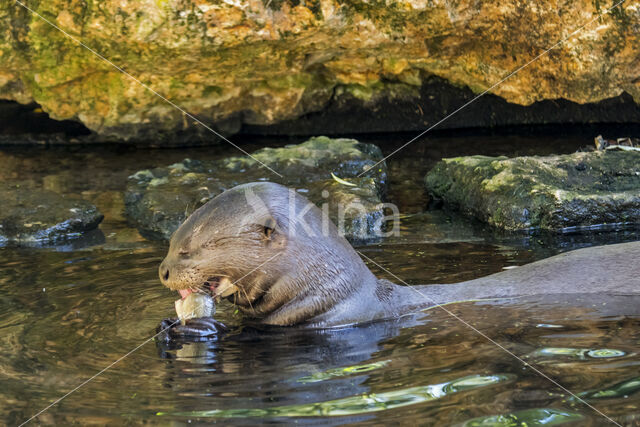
158 200
262 62
34 216
552 193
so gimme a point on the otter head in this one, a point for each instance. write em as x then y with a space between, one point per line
232 235
268 249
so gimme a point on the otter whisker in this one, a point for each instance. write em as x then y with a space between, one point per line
235 300
212 273
247 296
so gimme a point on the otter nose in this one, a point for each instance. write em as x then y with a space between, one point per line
163 272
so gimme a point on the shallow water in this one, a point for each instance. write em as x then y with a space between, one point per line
70 311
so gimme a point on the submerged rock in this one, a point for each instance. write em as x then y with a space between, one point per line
158 200
561 193
257 63
34 216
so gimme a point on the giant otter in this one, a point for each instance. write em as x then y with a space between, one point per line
273 253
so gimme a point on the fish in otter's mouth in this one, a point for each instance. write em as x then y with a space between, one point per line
216 286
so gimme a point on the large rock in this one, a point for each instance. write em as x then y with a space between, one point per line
553 193
33 216
158 200
260 62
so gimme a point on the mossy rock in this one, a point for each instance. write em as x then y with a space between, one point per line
561 192
237 64
32 216
158 200
314 160
357 211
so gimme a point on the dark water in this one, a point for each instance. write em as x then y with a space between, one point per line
68 312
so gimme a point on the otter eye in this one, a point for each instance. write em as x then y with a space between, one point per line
183 252
269 227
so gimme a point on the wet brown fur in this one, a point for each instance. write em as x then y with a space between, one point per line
288 274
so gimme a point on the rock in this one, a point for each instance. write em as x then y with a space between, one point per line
34 216
158 200
561 192
261 62
357 211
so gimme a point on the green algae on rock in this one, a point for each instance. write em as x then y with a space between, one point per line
264 62
314 160
32 216
557 193
158 200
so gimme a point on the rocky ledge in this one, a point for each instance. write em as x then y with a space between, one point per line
583 190
158 200
256 63
32 216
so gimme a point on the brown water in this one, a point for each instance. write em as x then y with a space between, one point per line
68 312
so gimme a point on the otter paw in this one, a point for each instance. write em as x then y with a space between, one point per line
197 327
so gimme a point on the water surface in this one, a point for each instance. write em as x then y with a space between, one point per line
69 311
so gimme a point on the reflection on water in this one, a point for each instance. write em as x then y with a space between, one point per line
360 404
67 312
528 417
